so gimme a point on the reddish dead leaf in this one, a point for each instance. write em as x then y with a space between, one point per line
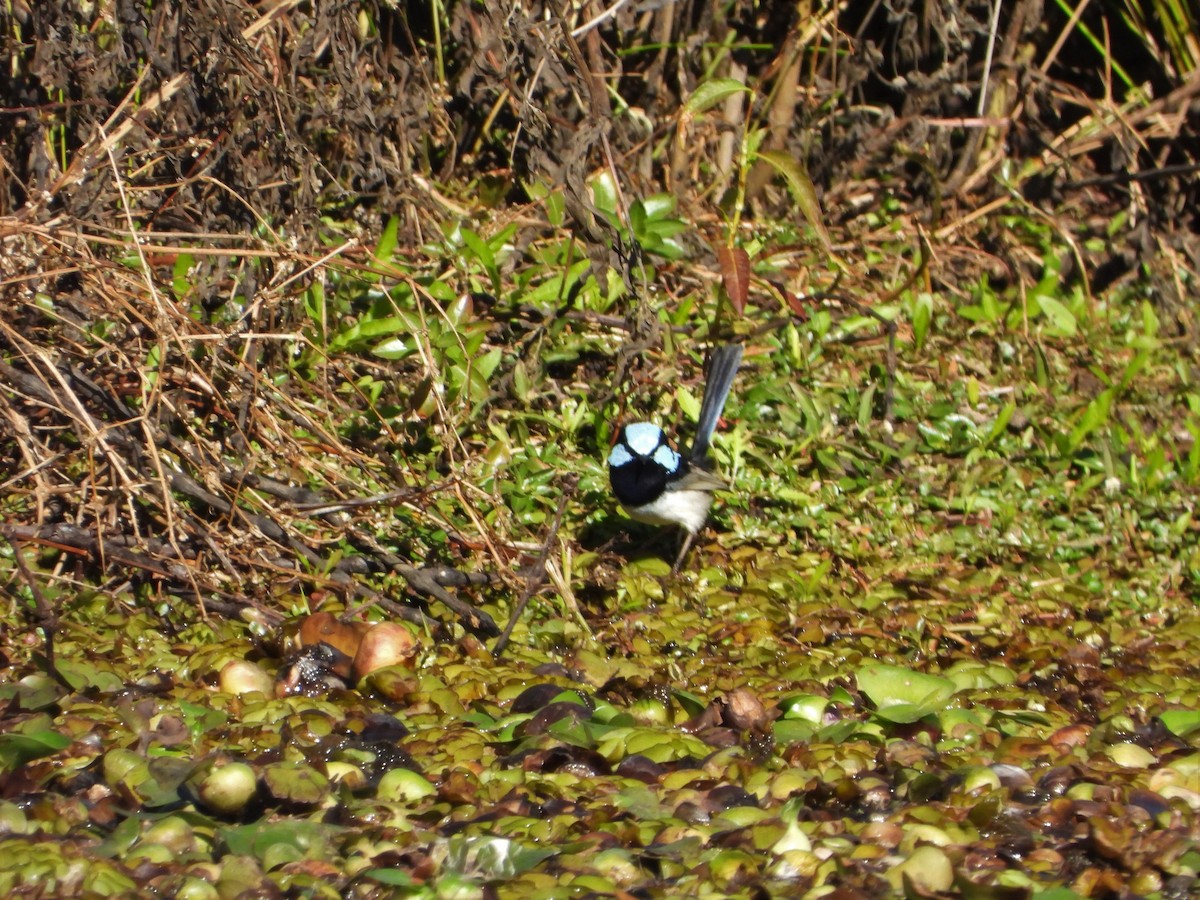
323 627
798 305
385 644
741 709
709 717
1070 736
317 868
171 731
735 275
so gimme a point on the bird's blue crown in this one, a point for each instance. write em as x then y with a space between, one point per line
644 440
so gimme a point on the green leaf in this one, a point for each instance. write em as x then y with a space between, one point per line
298 784
637 219
484 255
693 703
256 839
1059 317
181 284
86 674
314 304
485 365
1094 416
807 707
668 248
974 675
1001 422
496 857
710 94
792 731
33 692
359 334
18 749
604 193
165 777
666 228
392 877
1181 722
151 367
659 206
553 289
385 250
556 209
922 315
1135 367
901 695
802 190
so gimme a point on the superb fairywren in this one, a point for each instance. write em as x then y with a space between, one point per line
655 483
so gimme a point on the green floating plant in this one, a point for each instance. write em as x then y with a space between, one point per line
903 696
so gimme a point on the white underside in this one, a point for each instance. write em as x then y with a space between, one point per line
682 507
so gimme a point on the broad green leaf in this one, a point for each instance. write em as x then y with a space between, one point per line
802 190
483 255
710 94
665 228
392 877
659 206
33 692
974 675
485 365
693 704
1181 722
256 839
1060 318
901 695
556 209
553 289
18 749
393 348
292 783
807 707
495 857
385 249
363 331
86 674
604 193
460 310
922 315
1002 420
181 275
792 731
637 219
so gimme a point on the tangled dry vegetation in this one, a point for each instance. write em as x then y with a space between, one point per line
150 430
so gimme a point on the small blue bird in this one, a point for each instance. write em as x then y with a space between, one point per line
658 485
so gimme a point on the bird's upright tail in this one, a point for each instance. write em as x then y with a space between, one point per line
721 372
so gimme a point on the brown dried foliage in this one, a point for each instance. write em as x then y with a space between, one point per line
192 474
220 119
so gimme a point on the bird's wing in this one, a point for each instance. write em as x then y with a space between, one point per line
698 479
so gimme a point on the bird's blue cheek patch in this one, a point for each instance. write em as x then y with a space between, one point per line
619 456
667 458
643 438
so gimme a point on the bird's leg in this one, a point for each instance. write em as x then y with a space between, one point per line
688 537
